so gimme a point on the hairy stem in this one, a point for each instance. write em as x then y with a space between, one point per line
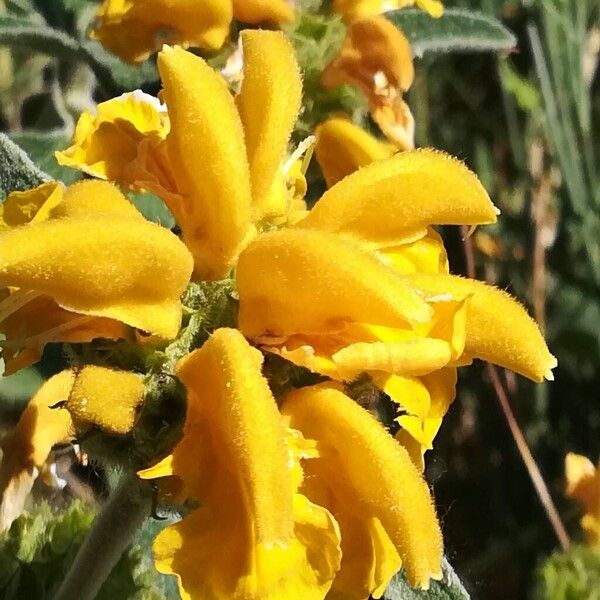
111 533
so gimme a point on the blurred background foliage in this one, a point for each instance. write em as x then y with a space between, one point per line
527 121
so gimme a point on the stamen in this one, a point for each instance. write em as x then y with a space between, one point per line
15 301
305 148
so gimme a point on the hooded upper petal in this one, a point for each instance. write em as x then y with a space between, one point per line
134 29
234 459
101 264
301 281
498 328
268 103
26 448
395 199
262 11
342 148
208 157
367 475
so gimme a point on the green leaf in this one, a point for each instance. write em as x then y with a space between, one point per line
456 31
114 75
41 145
16 390
17 171
449 588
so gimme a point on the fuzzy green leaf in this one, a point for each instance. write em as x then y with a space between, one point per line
449 588
17 171
22 33
456 31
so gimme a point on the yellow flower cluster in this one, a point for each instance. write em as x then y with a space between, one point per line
305 495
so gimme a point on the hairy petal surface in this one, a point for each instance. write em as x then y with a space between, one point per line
342 148
368 475
256 12
253 535
498 328
394 200
268 103
208 157
301 281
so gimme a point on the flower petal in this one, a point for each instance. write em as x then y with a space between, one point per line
268 102
256 12
101 265
135 29
208 157
343 148
30 206
295 281
106 143
498 328
26 448
105 398
234 459
399 197
370 475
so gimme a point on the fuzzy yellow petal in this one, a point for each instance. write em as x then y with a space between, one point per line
371 475
393 199
208 157
105 398
106 143
343 148
262 11
268 103
234 459
372 47
498 328
294 281
134 29
93 196
30 206
26 448
102 265
412 357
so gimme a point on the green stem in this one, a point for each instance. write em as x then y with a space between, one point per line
111 533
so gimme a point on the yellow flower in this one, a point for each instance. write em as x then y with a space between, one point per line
239 181
26 448
376 57
342 148
97 256
234 459
31 206
583 485
134 29
368 482
357 9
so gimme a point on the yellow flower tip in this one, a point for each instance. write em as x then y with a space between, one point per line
135 29
300 281
26 449
365 472
255 12
215 215
342 148
434 7
498 328
105 398
437 189
31 206
268 104
95 196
